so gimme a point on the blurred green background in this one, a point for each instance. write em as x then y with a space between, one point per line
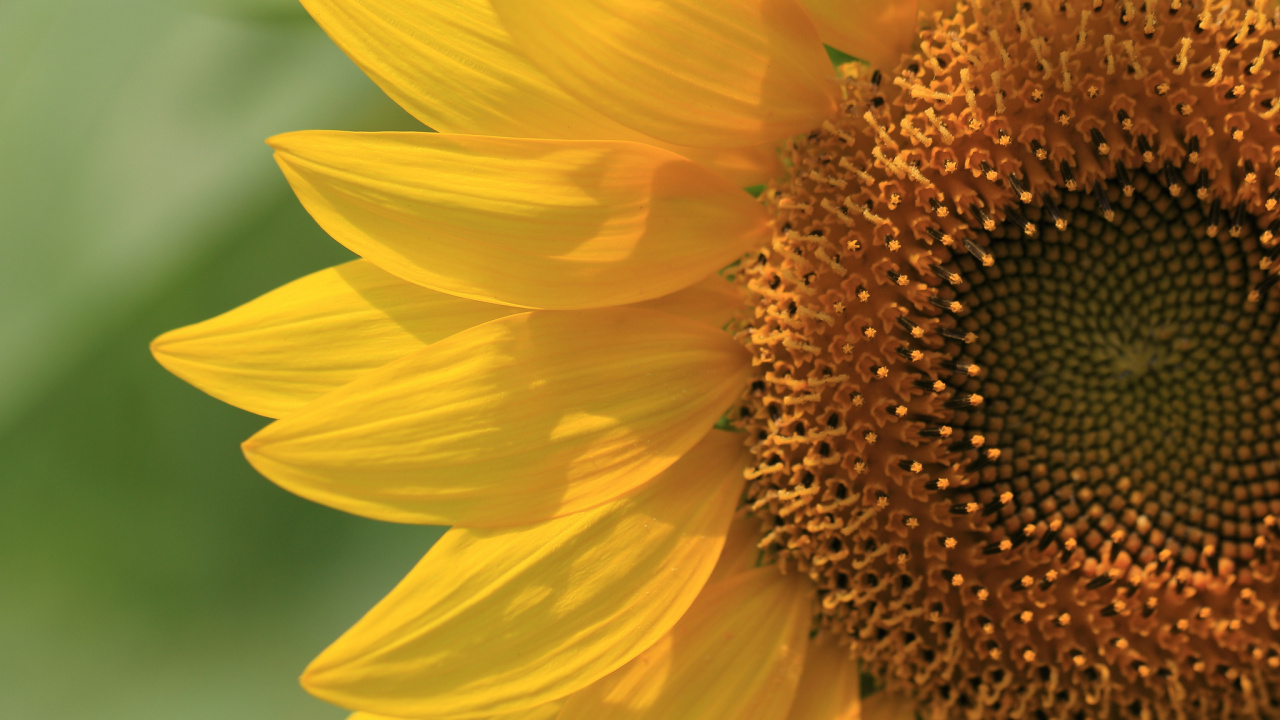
146 572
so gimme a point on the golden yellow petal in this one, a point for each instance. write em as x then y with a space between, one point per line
714 301
547 711
495 621
275 354
886 705
873 30
737 654
741 553
710 73
831 686
524 418
453 65
743 167
532 223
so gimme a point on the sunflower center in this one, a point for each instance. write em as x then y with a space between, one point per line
1017 407
1128 374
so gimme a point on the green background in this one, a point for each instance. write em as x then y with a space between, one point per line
146 572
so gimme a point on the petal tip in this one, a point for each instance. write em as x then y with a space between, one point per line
160 347
291 143
278 141
173 353
317 679
252 449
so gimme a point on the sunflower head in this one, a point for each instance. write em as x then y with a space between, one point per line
1017 405
1010 392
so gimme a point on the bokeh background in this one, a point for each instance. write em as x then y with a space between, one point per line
146 572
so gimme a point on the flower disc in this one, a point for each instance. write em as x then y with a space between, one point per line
1019 366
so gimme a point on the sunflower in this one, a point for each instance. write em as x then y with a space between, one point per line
996 341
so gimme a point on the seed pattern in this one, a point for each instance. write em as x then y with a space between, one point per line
1130 377
1018 366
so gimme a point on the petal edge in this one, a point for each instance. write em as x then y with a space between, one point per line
872 30
501 621
531 223
737 654
524 418
703 73
280 351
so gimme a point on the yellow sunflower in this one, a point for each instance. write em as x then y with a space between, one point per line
997 343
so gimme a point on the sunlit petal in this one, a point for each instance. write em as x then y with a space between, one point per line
453 65
502 620
517 420
715 73
831 686
872 30
531 223
737 654
714 301
280 351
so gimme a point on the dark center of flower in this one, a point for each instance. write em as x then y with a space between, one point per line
1018 409
1125 369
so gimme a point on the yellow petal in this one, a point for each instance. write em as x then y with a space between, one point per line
452 64
885 705
531 223
521 419
275 354
831 686
740 554
743 167
547 711
737 654
872 30
714 301
496 621
712 73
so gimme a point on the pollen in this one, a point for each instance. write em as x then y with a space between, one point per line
1041 469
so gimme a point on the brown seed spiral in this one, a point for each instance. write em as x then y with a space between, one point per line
1018 406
